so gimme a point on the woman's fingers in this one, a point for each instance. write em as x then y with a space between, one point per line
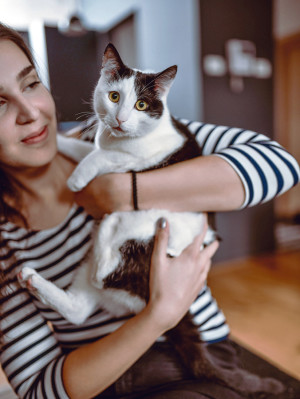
197 243
205 257
161 243
175 282
161 239
200 260
210 250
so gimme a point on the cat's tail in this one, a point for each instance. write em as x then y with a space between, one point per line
197 358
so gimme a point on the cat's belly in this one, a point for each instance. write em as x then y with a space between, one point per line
124 242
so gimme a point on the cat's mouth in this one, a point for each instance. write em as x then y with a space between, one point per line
117 131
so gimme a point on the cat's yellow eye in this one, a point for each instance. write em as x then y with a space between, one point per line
114 96
141 105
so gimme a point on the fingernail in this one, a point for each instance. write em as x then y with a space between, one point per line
161 223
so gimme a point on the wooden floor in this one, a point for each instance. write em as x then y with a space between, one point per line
260 297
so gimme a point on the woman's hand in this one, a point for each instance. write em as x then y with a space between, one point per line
106 194
176 282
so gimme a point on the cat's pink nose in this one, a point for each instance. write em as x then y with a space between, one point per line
121 119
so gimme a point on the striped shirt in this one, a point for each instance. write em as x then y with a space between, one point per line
36 338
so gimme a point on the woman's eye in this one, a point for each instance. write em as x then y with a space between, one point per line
141 105
114 96
32 85
2 103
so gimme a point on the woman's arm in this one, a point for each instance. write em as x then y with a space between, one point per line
240 168
89 370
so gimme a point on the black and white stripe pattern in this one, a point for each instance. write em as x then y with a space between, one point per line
265 168
33 349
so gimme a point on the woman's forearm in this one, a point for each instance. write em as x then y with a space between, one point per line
202 184
89 370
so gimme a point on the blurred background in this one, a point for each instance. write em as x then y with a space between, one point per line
214 43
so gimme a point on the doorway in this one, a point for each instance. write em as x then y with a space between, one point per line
287 122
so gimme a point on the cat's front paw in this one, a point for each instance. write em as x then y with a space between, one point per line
76 182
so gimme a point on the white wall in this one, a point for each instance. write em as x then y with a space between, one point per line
20 13
167 33
104 14
286 18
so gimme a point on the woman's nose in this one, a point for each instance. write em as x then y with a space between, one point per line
27 112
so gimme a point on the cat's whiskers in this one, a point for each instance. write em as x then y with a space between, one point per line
107 129
89 132
84 114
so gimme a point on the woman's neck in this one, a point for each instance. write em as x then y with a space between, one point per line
45 197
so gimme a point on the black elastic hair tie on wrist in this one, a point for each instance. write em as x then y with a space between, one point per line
134 191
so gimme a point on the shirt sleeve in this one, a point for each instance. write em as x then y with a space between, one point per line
265 168
31 356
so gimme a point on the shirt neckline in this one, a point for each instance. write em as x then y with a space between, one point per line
10 226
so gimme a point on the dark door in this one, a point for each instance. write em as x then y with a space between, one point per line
245 102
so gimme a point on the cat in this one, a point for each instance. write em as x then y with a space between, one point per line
135 132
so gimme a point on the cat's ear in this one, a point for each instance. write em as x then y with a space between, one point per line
164 80
111 61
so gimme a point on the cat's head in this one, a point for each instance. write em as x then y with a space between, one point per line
130 102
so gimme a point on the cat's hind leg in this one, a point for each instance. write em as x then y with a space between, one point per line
74 304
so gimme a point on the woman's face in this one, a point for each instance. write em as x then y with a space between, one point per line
27 113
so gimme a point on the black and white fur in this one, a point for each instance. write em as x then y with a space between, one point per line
115 275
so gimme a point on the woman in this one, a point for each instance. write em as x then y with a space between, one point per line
42 355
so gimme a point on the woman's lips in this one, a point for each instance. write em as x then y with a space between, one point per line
36 137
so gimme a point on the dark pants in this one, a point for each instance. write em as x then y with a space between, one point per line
158 374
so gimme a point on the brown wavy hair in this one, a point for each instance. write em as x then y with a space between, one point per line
8 186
